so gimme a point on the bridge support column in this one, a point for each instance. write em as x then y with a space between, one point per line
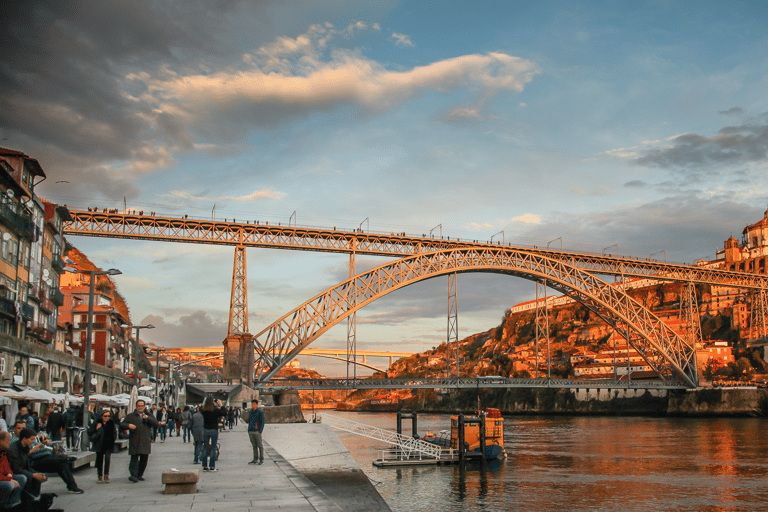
238 346
453 327
689 313
352 319
758 312
542 323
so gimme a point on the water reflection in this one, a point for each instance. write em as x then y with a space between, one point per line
583 463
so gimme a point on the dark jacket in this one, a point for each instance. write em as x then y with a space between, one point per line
256 421
211 418
140 438
54 423
197 427
103 438
18 456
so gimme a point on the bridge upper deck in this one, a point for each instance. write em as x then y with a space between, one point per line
257 234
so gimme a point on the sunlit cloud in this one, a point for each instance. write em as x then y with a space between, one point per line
256 195
401 39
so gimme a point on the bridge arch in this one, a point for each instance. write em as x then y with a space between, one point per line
664 350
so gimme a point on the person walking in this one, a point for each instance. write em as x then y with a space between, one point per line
177 420
197 427
162 420
256 422
54 424
103 433
211 415
70 425
140 424
186 424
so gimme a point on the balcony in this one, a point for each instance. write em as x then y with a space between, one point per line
21 224
27 312
57 297
7 308
57 263
47 305
41 332
96 325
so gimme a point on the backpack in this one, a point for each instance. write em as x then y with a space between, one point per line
69 419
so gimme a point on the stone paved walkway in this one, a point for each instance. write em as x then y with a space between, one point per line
274 486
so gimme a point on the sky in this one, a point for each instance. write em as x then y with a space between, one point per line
636 126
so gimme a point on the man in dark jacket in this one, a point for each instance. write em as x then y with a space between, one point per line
43 459
54 424
70 424
18 456
256 423
139 424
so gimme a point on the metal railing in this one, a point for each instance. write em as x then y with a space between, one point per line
406 446
467 383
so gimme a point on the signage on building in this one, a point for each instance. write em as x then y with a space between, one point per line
57 384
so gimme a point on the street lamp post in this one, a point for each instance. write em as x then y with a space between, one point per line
157 375
132 352
89 333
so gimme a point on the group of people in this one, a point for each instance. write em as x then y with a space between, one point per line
26 455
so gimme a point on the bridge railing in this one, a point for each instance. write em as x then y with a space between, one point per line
466 383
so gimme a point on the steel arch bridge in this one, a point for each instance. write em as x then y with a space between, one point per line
666 352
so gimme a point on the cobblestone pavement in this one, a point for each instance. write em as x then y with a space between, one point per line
275 485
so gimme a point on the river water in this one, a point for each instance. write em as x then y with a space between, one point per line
584 463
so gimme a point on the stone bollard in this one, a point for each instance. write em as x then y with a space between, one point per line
180 482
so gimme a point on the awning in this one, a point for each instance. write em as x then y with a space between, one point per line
36 361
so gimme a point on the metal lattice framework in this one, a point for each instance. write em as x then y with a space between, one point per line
666 352
467 383
238 311
171 229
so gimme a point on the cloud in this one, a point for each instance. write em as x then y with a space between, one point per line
687 225
196 329
733 111
401 39
526 218
62 92
124 88
732 145
256 195
635 184
293 78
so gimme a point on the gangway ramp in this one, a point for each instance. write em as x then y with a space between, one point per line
407 446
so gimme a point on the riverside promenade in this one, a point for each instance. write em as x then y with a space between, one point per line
277 485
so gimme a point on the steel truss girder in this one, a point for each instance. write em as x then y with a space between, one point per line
665 351
465 383
169 229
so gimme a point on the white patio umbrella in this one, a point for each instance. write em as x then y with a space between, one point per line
133 399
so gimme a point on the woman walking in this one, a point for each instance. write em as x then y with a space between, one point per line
211 415
103 433
162 420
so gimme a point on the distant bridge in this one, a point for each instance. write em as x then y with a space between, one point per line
337 354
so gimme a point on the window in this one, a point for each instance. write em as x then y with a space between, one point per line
10 248
2 365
